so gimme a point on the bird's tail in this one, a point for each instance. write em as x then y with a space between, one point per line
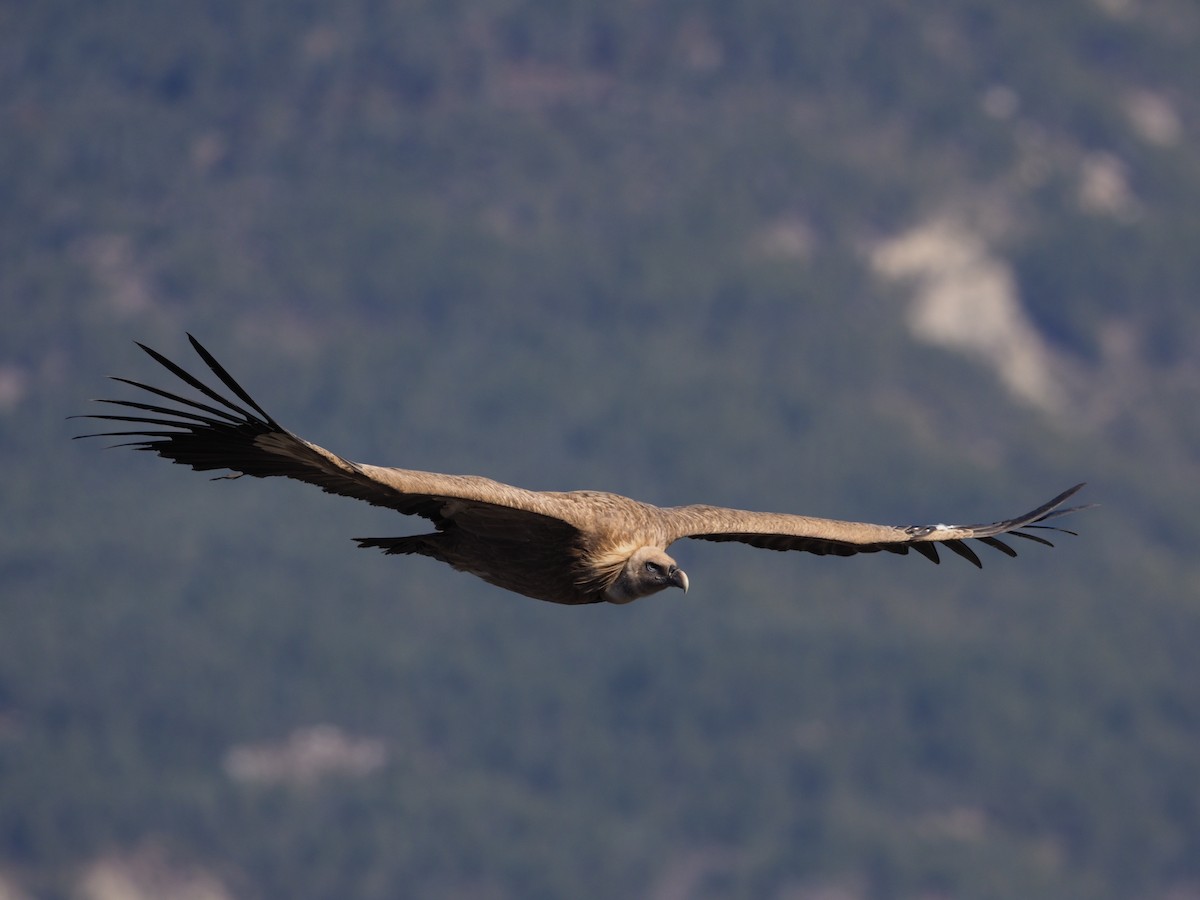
416 543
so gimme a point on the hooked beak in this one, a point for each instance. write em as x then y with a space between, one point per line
678 578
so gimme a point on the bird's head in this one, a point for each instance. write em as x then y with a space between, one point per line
648 571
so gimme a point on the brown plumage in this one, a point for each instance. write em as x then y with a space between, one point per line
566 547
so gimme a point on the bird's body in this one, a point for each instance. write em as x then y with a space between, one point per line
569 547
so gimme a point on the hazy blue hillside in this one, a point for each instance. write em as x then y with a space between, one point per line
887 264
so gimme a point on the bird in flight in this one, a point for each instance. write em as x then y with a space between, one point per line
569 547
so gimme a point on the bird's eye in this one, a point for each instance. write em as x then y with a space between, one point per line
653 568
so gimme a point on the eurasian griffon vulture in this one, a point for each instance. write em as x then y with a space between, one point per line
565 547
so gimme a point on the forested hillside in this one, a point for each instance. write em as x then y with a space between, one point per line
897 263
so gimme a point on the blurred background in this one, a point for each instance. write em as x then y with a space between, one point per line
917 262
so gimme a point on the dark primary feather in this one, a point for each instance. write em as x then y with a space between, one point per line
209 439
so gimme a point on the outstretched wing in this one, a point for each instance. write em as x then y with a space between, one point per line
245 439
776 531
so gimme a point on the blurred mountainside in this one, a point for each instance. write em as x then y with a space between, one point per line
908 263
